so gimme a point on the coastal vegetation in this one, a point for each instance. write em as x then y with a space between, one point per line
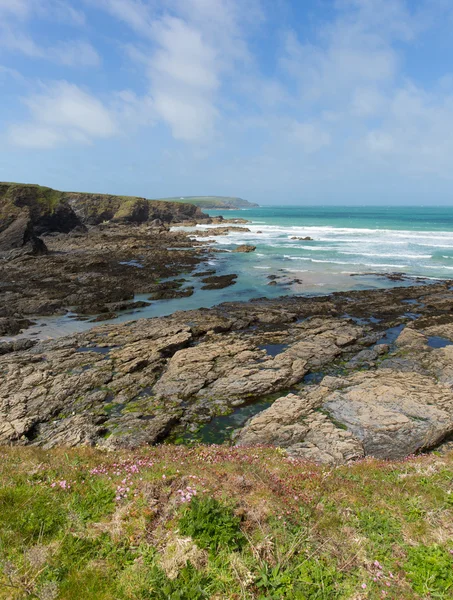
176 523
213 202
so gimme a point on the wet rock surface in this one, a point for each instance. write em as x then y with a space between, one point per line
342 393
96 272
218 282
245 248
87 253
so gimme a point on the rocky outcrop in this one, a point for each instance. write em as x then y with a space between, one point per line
385 414
217 231
19 238
30 211
403 407
245 248
93 209
135 383
83 264
294 423
218 282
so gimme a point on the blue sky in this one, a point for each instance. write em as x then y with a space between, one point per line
282 101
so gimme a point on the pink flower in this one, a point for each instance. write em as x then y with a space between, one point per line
363 586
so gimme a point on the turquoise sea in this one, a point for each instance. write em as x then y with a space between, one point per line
351 248
417 241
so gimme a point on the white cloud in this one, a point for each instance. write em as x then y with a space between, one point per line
59 10
416 133
17 8
74 53
135 13
30 135
61 113
311 137
71 53
188 50
184 78
16 41
367 102
8 72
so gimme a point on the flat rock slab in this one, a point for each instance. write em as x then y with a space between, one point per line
393 414
133 383
385 414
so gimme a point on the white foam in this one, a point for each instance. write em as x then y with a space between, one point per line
384 255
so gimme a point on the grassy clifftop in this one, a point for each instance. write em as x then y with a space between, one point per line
51 209
214 202
174 523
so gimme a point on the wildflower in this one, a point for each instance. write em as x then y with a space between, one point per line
363 586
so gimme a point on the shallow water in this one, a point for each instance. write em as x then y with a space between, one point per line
348 244
435 341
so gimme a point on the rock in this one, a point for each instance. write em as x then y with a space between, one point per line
19 239
169 290
12 326
303 239
17 346
157 223
104 317
204 273
292 423
393 414
218 282
216 231
122 385
383 414
245 248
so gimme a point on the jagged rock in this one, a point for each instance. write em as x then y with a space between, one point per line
393 414
19 239
292 423
133 383
245 248
386 415
218 282
216 231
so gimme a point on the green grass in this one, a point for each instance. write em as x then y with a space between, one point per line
219 523
212 201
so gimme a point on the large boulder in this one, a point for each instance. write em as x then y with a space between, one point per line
393 414
386 414
19 238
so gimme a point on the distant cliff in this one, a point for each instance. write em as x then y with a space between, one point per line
213 202
28 211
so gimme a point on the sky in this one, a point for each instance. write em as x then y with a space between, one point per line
276 101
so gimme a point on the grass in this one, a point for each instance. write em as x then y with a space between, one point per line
211 201
182 523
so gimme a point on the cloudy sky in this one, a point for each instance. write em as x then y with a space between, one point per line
277 101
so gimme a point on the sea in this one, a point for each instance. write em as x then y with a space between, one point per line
351 248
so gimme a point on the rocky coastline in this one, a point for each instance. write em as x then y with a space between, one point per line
90 254
330 379
345 376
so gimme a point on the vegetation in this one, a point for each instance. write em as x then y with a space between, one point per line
213 202
219 523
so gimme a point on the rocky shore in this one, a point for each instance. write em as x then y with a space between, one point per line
344 376
89 254
330 379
